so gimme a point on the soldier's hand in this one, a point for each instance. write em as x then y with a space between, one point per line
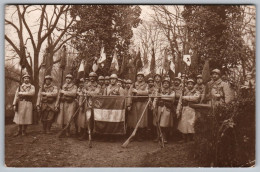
38 108
128 108
20 93
134 90
14 107
43 93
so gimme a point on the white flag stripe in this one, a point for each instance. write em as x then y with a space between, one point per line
102 55
109 115
81 67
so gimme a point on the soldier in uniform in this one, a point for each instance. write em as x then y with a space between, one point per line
91 89
114 89
22 105
81 120
219 91
66 103
164 111
151 92
157 81
101 84
140 88
187 116
46 103
107 81
119 82
200 86
128 90
86 82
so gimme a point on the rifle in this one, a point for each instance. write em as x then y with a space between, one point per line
124 145
159 131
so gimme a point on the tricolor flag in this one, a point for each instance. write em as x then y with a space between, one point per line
109 115
114 64
95 65
103 56
81 69
171 70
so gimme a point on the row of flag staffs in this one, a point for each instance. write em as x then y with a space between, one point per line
172 107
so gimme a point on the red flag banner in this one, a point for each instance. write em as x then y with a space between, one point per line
109 115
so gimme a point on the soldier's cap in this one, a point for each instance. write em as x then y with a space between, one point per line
167 79
119 79
113 76
199 76
150 79
48 77
140 73
26 75
107 78
81 80
190 80
92 74
177 78
217 71
101 78
69 76
128 81
183 75
157 75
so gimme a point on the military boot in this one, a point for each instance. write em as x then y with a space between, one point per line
48 126
19 132
24 130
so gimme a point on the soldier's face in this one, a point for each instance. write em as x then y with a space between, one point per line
140 78
26 80
177 82
166 84
157 78
119 83
107 82
92 78
128 86
215 76
101 82
199 81
81 84
113 81
150 83
48 81
68 80
190 85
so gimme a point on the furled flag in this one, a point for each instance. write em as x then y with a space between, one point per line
145 59
95 65
63 58
166 64
47 62
152 65
187 59
114 64
171 70
102 55
81 69
206 72
109 115
138 62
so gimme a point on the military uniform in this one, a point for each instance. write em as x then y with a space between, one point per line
24 107
68 104
187 121
46 102
81 121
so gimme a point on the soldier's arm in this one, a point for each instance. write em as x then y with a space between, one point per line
193 98
143 92
54 93
31 92
71 93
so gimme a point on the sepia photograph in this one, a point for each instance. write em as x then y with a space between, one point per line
90 85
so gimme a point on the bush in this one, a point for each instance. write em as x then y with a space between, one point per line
226 137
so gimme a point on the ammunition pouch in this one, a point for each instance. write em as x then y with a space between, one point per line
25 98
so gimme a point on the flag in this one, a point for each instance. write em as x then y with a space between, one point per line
206 72
95 65
187 59
166 64
152 65
145 59
138 62
171 70
123 66
81 70
109 115
102 57
114 64
47 62
63 58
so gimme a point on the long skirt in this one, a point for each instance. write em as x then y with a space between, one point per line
186 124
24 115
66 112
135 114
164 116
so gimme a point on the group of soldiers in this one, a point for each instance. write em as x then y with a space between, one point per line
162 95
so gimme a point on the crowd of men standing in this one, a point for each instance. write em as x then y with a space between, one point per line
165 97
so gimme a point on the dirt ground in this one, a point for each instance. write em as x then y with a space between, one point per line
41 150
